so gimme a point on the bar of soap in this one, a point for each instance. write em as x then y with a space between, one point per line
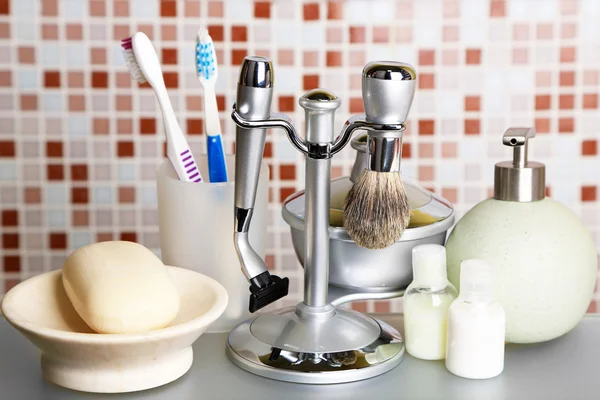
120 287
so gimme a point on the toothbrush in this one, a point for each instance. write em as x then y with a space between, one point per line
206 70
144 66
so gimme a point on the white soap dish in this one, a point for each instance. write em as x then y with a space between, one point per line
75 357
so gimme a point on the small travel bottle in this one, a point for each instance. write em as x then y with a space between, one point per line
426 303
476 325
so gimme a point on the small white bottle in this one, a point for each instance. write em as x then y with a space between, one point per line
476 325
426 303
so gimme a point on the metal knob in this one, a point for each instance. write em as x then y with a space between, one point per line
256 72
388 88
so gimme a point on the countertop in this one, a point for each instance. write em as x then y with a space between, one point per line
565 368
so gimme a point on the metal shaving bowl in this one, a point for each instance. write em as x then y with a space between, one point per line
358 268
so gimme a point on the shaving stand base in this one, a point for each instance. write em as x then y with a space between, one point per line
347 347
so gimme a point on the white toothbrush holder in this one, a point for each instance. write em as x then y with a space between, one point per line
196 231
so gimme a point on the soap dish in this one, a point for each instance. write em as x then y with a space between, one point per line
75 357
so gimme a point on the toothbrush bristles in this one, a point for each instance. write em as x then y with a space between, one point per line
132 64
206 60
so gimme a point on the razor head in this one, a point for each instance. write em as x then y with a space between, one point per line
266 289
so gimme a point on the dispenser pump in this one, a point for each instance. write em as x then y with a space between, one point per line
519 180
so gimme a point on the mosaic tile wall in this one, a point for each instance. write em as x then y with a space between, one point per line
80 142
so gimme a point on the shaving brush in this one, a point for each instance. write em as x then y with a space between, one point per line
376 210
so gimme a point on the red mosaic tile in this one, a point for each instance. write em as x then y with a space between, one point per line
588 193
169 56
99 79
590 101
5 7
426 81
334 58
567 54
287 172
268 150
543 102
51 79
195 126
55 172
567 78
262 9
79 195
11 264
472 103
473 56
311 11
406 150
9 218
32 195
566 101
356 105
79 172
221 103
542 125
147 126
239 33
589 147
125 149
566 125
26 55
238 55
357 34
217 32
472 127
10 241
80 218
426 127
286 103
285 192
310 82
54 149
168 8
126 195
7 148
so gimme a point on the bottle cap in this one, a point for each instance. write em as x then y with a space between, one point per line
476 277
429 265
520 179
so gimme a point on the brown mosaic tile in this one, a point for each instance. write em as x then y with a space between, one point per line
5 7
543 102
52 79
29 102
239 33
74 32
168 8
311 11
268 151
124 126
147 126
286 103
238 55
7 148
4 30
382 307
589 147
76 103
171 79
334 58
75 79
32 195
473 56
79 172
123 102
54 149
542 125
221 103
128 236
104 237
426 81
426 150
472 127
566 125
215 9
121 9
55 172
287 172
262 9
9 218
127 195
79 195
57 240
125 149
192 8
195 126
406 150
10 241
169 56
98 56
285 192
426 127
194 103
357 34
566 101
310 58
11 264
356 105
360 306
310 82
381 34
168 32
80 218
472 103
97 8
588 193
26 55
426 173
567 78
100 126
335 9
544 31
49 31
99 79
567 54
590 101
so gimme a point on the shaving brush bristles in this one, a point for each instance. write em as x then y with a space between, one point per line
376 210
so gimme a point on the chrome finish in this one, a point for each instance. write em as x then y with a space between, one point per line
242 219
256 72
519 180
359 144
384 153
388 89
347 347
338 295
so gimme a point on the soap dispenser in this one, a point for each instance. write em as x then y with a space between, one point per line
544 259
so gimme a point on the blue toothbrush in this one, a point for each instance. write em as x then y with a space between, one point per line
206 70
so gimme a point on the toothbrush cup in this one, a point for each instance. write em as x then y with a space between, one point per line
196 225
